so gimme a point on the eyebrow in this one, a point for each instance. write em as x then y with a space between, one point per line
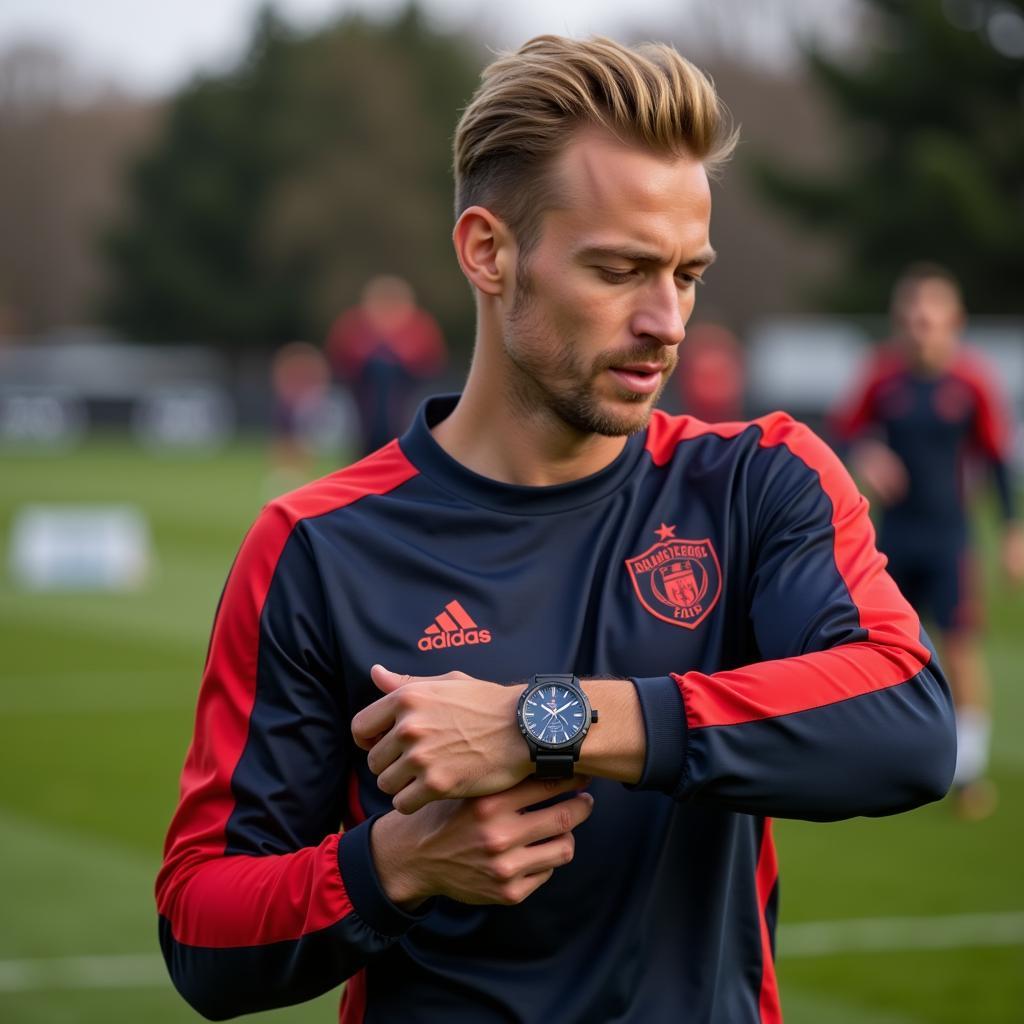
703 259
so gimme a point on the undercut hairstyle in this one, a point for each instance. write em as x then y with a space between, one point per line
530 102
918 273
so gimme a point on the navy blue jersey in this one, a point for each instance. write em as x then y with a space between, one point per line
936 424
729 570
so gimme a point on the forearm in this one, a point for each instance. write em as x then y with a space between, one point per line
828 735
616 746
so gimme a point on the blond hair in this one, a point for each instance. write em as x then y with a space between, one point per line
529 102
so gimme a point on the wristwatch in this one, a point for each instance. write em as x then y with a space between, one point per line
554 717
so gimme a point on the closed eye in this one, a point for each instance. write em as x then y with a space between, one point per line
616 276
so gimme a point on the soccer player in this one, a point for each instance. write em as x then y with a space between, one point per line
926 409
552 659
381 349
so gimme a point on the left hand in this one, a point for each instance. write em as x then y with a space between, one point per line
436 737
1013 553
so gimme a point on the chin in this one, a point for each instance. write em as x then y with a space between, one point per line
615 421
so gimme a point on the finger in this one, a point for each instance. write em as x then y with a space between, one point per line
396 777
538 826
386 680
374 720
411 797
529 860
384 752
533 882
534 791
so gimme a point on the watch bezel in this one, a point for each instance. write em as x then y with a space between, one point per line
570 683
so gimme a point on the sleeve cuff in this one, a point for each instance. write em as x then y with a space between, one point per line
665 728
370 902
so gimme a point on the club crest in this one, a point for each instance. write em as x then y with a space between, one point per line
677 580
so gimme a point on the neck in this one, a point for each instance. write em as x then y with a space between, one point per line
492 433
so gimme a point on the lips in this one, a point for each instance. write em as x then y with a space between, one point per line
641 367
640 378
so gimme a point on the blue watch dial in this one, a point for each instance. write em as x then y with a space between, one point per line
553 713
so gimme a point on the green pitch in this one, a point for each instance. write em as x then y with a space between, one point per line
96 700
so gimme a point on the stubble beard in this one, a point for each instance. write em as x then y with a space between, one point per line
561 387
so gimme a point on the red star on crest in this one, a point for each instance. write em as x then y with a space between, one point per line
666 532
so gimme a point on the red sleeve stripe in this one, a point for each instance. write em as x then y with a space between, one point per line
892 652
993 431
665 432
353 1000
293 893
767 876
858 412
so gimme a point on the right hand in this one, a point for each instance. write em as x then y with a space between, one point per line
881 471
487 849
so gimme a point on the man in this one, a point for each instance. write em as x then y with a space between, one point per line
927 408
380 350
716 587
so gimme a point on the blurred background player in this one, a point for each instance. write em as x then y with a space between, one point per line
382 349
712 376
300 380
925 413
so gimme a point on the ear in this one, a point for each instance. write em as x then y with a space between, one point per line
486 250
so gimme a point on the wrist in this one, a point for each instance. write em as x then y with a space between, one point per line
616 745
393 849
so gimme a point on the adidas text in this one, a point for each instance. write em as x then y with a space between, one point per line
460 638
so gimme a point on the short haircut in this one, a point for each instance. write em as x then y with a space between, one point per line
923 270
531 101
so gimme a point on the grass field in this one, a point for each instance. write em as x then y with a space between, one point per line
96 699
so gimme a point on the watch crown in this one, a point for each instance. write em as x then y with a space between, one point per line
593 716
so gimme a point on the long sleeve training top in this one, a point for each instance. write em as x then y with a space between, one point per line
729 570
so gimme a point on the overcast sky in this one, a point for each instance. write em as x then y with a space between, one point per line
153 47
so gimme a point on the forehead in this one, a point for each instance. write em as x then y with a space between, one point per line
928 290
604 186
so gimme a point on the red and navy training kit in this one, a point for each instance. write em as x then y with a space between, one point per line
938 424
728 569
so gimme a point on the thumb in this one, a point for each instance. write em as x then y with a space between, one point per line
387 681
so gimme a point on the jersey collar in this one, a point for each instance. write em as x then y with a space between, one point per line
433 461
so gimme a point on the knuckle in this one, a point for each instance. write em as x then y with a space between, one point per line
435 782
408 729
511 893
564 818
494 842
417 760
502 870
568 851
484 808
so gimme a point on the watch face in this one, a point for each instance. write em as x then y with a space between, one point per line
553 714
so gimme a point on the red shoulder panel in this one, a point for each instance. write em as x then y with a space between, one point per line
197 832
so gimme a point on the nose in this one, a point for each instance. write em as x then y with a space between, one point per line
662 310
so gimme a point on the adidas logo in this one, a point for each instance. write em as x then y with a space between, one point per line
454 627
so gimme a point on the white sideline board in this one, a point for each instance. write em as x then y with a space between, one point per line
80 547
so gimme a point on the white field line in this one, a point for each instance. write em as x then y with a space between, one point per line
816 938
140 970
895 934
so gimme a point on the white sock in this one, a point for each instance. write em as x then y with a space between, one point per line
973 732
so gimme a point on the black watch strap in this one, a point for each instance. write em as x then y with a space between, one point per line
555 766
